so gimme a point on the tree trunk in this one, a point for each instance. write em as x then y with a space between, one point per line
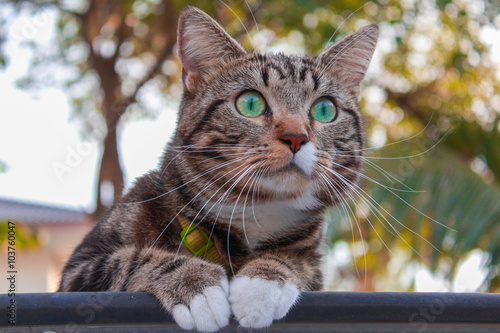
110 174
115 104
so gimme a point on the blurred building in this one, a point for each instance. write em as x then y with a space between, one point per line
59 230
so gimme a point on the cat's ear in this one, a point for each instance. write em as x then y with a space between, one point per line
201 43
350 57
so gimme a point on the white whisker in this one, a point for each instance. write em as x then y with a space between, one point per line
186 183
393 158
345 204
402 140
391 178
351 188
361 194
232 214
207 201
259 179
242 24
252 178
391 191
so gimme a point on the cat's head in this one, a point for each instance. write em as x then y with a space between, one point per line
281 127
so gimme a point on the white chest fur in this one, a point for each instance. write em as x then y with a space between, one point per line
260 222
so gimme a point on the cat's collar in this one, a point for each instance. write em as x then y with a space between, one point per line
198 242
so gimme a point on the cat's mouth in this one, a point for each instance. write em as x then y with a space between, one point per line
291 174
289 179
299 165
293 167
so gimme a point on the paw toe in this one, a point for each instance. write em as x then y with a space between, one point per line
210 310
255 320
202 314
289 294
218 304
256 302
183 317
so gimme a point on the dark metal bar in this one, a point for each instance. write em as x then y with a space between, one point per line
314 311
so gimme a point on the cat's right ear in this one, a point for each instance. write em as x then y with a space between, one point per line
350 57
201 43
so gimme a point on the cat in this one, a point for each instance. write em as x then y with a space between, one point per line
231 222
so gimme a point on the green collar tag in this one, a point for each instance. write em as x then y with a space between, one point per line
193 238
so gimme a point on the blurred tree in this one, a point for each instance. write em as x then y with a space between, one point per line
24 236
434 73
3 166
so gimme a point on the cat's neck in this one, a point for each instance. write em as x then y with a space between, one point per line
261 222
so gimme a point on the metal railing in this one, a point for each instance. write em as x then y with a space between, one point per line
315 312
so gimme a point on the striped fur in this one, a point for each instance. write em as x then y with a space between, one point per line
237 179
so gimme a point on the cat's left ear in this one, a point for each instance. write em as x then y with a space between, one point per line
202 42
350 57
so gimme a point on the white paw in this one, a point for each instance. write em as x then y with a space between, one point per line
207 312
257 302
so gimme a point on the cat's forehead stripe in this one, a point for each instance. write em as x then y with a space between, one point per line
288 68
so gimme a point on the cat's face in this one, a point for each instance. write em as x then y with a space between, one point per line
284 127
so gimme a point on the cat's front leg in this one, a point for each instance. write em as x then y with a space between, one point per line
263 290
194 291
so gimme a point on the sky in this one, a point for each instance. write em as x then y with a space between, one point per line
38 140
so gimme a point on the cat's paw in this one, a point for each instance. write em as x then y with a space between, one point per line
257 302
207 312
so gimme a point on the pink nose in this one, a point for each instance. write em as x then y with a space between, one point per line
295 141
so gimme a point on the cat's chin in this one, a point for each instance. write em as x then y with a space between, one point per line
289 181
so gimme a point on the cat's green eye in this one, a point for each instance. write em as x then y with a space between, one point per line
251 104
323 110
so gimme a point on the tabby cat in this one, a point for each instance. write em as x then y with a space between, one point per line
231 221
